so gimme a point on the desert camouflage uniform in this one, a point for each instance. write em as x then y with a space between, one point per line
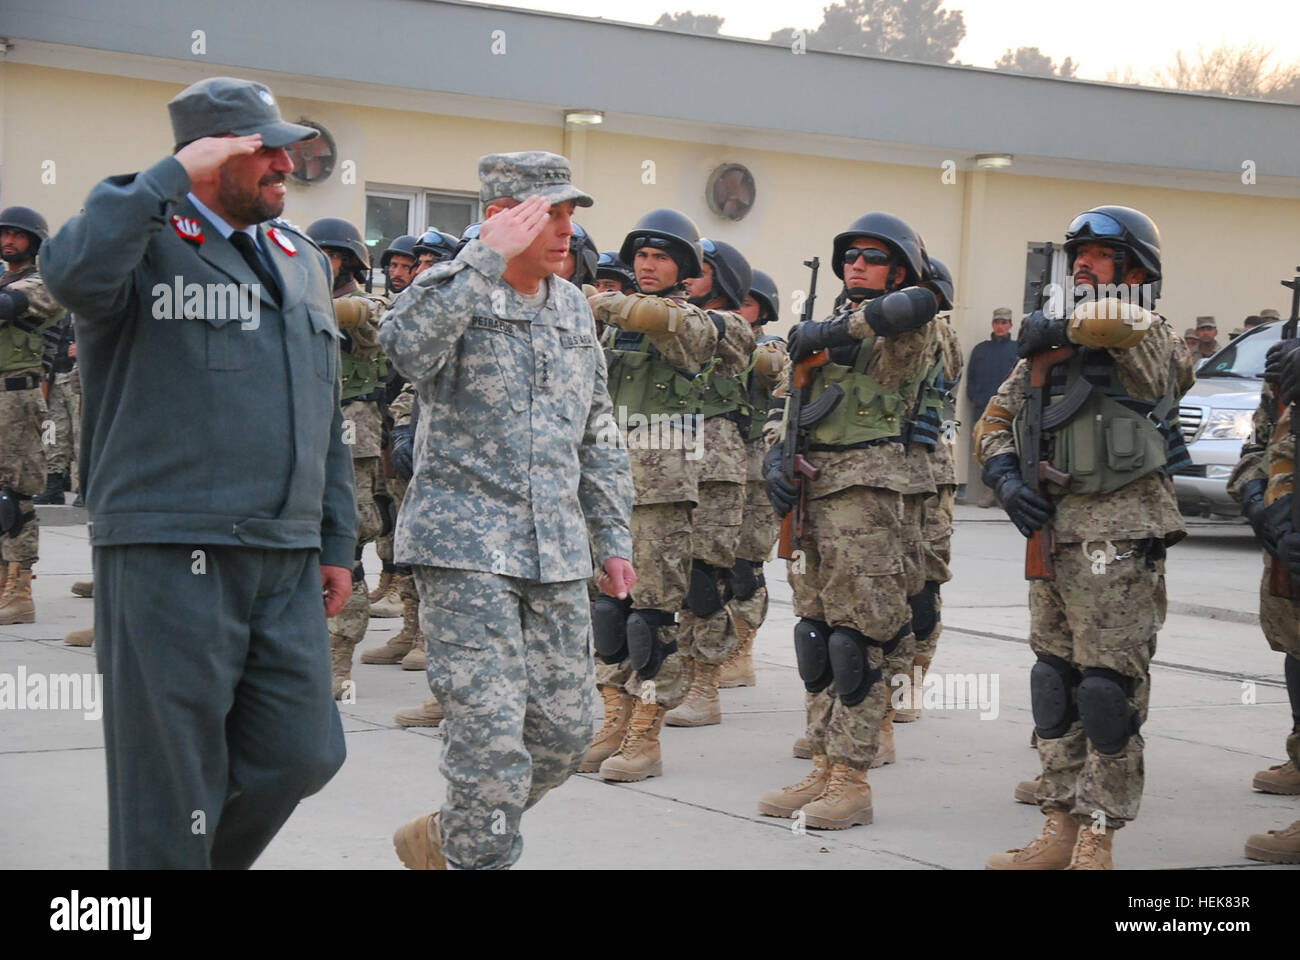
665 473
63 407
22 413
716 520
1272 450
862 552
512 497
1102 614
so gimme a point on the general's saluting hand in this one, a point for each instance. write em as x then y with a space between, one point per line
511 231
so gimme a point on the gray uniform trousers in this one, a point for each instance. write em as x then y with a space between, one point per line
218 714
510 662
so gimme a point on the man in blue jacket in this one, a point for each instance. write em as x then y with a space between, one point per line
216 526
990 363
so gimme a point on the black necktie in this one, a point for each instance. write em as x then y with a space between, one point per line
244 244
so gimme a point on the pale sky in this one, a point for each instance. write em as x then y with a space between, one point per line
1098 34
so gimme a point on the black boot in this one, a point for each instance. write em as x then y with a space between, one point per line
53 492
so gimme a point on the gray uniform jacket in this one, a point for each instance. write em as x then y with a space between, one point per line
197 427
518 469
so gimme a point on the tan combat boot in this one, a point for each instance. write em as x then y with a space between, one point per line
427 714
341 665
618 710
913 712
419 844
1027 790
787 800
885 745
84 588
1276 846
1050 850
738 671
1281 778
802 749
381 591
389 606
400 644
638 755
700 708
16 604
846 801
80 638
1092 850
418 658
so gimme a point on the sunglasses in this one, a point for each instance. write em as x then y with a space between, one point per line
872 256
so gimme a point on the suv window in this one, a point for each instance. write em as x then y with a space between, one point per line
1244 357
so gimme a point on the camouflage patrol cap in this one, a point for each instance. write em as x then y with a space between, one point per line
525 174
1268 313
220 105
1189 333
1203 323
1002 313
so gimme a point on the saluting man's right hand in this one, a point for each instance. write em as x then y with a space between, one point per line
511 231
204 158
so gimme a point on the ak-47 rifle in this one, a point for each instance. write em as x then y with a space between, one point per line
1280 582
800 416
1035 469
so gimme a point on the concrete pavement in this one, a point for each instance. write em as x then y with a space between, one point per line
947 803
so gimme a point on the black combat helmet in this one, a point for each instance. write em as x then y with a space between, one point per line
585 256
471 233
338 234
27 219
610 267
404 245
893 233
671 231
940 278
763 289
732 274
1127 230
443 246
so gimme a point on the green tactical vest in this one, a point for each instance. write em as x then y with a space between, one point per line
760 400
23 349
720 396
1106 445
642 381
869 411
359 377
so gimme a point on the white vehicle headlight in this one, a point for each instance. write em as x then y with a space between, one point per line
1229 425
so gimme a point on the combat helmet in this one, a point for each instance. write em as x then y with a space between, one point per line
404 245
610 267
732 274
671 231
28 220
763 289
893 233
1131 232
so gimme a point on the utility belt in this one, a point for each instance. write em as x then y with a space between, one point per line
860 445
377 395
27 382
63 365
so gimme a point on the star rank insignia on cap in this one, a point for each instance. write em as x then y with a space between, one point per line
281 241
187 228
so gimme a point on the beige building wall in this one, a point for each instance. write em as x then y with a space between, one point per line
1223 253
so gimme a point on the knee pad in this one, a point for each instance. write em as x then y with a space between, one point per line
609 628
16 511
644 649
1292 673
385 505
746 578
925 610
810 639
854 676
1108 720
704 596
1052 684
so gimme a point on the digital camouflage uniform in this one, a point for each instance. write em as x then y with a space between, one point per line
22 406
665 472
860 560
512 496
1107 602
1270 455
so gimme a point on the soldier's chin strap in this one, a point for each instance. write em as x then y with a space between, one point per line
677 288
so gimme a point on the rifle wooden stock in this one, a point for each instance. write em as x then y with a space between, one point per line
794 526
801 379
1040 554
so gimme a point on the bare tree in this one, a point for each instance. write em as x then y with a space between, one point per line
1237 71
904 29
691 22
1033 61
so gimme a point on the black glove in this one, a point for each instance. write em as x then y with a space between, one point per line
13 304
401 451
1038 332
1289 379
809 337
1027 509
1275 359
781 490
1276 524
1288 551
1252 505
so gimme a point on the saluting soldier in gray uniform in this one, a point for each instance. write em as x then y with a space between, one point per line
519 481
213 537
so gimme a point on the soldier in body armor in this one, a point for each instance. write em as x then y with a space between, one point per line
851 579
581 262
706 635
759 525
657 343
398 264
362 370
433 247
1109 424
613 274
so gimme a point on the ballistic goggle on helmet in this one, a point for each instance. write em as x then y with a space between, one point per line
1131 233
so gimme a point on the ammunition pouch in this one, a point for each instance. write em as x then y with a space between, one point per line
643 382
868 412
